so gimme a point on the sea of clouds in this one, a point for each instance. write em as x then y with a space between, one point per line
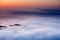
34 28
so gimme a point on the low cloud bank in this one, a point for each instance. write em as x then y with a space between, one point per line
33 29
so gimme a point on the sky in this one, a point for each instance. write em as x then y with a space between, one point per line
9 6
29 3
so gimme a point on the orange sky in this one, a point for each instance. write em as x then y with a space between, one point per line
8 3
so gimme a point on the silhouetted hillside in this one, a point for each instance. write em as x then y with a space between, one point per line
45 12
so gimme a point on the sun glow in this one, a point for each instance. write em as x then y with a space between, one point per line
5 3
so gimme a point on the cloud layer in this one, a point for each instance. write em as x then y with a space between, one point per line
34 28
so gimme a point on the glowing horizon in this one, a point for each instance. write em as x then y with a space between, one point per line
7 3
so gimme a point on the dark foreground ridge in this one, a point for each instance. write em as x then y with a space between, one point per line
2 26
15 25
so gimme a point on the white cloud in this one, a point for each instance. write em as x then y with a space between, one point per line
33 28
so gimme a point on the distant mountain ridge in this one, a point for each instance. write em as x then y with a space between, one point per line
44 12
